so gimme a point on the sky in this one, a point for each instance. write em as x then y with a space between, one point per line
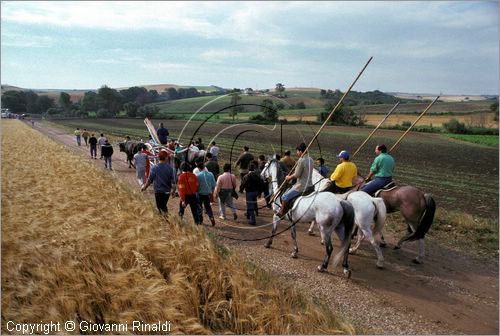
447 47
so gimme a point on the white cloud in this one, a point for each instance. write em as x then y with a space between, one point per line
26 41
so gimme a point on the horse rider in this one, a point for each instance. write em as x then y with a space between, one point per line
303 175
382 168
343 174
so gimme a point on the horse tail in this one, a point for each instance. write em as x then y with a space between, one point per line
380 214
427 219
348 221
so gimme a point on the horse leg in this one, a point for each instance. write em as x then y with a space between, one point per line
421 252
311 229
275 225
293 232
378 251
326 259
360 237
382 243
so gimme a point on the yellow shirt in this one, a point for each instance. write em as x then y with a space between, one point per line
343 174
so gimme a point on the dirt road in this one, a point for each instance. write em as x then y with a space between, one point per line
451 293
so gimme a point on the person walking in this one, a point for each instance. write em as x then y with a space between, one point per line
251 184
303 175
93 146
85 136
382 168
206 188
212 165
243 162
343 174
188 188
214 150
162 133
100 142
141 159
78 136
163 177
107 153
224 187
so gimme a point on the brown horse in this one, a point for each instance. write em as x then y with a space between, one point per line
416 207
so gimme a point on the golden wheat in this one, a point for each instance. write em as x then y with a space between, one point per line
78 246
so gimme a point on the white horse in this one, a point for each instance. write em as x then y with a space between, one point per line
324 209
367 210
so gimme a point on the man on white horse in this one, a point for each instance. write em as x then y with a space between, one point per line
303 175
343 175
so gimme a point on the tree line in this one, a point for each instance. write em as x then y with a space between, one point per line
104 103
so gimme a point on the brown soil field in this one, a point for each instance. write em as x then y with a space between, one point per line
453 292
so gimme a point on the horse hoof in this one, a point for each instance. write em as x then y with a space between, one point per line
267 245
294 255
397 247
347 273
382 245
416 261
310 232
322 243
380 265
321 269
351 251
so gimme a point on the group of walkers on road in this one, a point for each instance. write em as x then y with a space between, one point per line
193 173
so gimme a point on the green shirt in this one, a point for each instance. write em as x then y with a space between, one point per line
383 165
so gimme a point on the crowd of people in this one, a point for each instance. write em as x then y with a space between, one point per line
193 173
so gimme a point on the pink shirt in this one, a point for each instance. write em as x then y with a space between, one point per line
225 181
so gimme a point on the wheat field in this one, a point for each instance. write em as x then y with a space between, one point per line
79 246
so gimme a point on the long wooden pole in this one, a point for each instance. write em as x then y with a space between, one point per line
414 123
324 124
376 128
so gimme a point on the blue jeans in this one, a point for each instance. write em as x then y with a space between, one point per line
107 161
376 184
290 194
251 200
205 203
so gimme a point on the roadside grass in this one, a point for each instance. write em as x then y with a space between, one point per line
78 245
487 140
458 230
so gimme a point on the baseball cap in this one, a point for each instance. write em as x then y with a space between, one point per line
344 155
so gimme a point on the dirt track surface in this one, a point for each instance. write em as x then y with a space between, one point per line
451 293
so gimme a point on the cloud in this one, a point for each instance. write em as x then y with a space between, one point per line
26 41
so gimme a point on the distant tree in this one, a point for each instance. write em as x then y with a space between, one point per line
131 109
280 89
494 109
14 101
154 95
132 94
44 103
269 111
235 98
110 100
280 106
343 115
31 99
89 102
65 102
148 111
301 105
192 92
181 93
171 93
454 126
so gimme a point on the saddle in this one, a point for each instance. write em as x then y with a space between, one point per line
388 187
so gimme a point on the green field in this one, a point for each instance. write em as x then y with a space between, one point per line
488 140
